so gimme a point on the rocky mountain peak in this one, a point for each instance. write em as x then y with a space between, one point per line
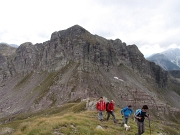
74 31
77 28
26 44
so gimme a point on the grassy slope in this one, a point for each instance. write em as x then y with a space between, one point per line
72 118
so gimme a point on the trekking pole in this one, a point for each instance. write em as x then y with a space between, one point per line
149 125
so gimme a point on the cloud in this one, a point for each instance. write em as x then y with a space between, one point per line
151 49
149 24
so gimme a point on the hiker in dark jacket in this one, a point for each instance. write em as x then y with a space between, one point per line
126 112
140 119
110 111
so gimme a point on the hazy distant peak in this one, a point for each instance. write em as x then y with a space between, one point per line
14 45
172 51
11 45
168 60
6 50
5 45
157 56
154 55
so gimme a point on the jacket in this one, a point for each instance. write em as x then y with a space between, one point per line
126 111
142 115
110 107
101 105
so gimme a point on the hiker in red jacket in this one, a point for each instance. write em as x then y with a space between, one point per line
100 106
110 111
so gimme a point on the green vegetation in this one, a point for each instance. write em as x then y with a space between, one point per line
50 79
23 81
72 118
45 84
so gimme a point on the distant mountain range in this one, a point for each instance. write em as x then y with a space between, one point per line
13 45
168 60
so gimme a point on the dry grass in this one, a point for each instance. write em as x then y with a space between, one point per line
72 119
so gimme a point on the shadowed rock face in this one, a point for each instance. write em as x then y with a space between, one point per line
175 73
75 64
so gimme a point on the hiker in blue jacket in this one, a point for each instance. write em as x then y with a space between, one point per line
126 112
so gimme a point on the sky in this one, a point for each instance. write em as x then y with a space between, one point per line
152 25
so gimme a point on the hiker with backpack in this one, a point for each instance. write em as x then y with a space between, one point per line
126 112
140 115
110 110
100 106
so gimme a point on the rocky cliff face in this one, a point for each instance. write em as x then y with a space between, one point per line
74 64
6 54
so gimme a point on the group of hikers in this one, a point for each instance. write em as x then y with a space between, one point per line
139 114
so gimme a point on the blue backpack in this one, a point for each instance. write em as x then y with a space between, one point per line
138 111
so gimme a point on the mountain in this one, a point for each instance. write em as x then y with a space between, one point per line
6 50
12 45
168 60
173 55
75 65
161 60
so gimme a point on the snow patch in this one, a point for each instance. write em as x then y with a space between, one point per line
118 79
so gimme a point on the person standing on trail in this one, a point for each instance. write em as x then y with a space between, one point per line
126 112
140 115
110 111
100 106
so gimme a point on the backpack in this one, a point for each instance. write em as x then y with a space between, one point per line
137 112
107 103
